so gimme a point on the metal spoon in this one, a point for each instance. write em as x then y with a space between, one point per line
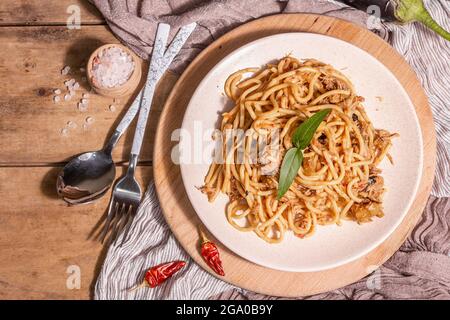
88 176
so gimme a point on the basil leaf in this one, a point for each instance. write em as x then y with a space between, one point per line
291 163
305 132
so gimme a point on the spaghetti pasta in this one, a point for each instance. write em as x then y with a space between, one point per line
338 180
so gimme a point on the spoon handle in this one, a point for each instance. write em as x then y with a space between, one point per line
159 63
131 113
124 123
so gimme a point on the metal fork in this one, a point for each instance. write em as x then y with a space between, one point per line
127 193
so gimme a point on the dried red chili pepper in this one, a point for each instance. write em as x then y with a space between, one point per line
211 255
160 273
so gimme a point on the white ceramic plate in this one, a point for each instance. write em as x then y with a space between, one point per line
330 246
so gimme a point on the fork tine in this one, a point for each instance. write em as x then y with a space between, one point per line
116 222
111 213
130 219
122 224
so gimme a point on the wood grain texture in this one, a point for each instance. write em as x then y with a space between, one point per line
30 122
46 12
41 236
178 210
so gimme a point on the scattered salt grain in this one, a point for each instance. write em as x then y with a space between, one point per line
71 92
71 124
56 99
76 86
112 67
112 108
67 97
64 131
70 84
85 95
65 70
82 69
85 126
89 120
84 101
82 107
57 91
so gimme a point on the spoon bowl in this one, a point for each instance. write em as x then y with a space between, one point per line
86 177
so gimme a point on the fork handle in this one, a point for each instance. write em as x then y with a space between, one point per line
146 103
159 63
154 74
132 164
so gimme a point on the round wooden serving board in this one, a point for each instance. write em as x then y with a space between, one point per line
181 216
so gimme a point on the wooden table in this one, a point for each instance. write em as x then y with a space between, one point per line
41 238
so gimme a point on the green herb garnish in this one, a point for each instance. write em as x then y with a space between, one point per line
291 163
301 138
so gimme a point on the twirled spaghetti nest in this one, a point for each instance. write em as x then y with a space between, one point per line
338 180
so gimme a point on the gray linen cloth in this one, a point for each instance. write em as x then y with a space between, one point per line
419 270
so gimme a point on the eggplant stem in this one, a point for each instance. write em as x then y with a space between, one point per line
424 17
415 10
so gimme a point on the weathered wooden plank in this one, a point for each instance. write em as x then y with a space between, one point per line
47 12
41 237
30 122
